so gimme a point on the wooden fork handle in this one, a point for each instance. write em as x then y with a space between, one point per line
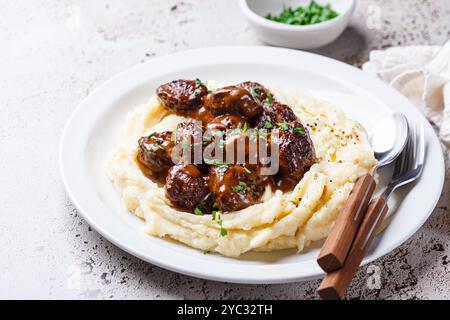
336 247
335 284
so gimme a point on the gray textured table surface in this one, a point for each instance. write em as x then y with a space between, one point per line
54 52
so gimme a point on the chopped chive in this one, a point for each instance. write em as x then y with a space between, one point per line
198 211
311 14
284 126
269 99
216 216
256 93
242 188
245 128
214 162
268 125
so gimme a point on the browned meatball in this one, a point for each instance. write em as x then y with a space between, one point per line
189 142
154 153
296 155
232 100
259 93
273 115
182 96
186 187
234 187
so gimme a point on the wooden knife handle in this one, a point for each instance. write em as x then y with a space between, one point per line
336 247
335 284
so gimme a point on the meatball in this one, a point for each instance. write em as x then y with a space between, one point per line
186 187
275 114
182 96
259 93
234 187
296 155
189 141
233 100
154 153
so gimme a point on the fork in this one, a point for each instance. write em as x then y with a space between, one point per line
408 168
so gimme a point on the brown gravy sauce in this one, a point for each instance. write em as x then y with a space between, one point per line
275 182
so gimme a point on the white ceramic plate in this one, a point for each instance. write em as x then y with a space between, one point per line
93 130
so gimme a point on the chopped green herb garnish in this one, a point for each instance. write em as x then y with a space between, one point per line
199 82
247 170
217 216
284 126
241 188
256 93
197 210
223 232
151 153
312 14
269 99
151 134
245 128
197 92
268 124
160 147
217 163
299 130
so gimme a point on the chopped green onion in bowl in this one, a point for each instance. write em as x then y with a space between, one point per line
312 14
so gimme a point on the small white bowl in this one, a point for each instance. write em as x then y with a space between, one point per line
291 36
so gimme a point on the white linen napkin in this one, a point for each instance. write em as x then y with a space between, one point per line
422 73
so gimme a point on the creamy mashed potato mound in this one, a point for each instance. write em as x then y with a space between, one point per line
282 220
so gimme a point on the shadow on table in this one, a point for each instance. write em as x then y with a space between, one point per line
351 47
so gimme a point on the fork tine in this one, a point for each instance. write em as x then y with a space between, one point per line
420 153
401 162
415 143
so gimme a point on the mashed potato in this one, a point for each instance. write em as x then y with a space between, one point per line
282 220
